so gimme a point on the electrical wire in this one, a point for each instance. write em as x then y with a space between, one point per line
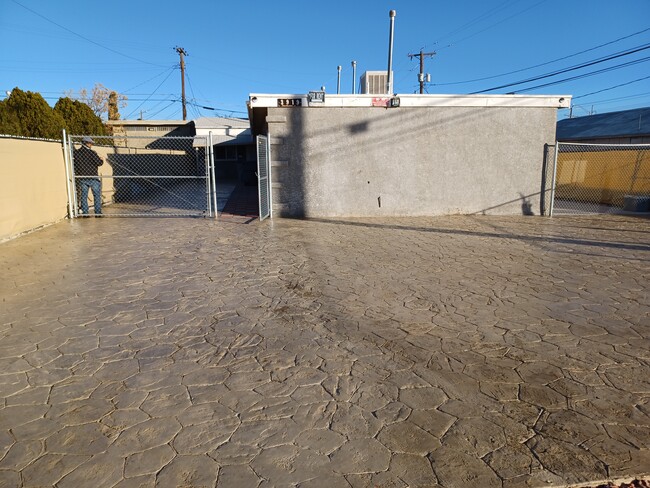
485 15
628 97
492 25
194 106
84 37
164 108
585 75
612 87
150 79
146 99
571 68
543 64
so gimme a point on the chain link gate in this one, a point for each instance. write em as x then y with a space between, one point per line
600 178
143 176
263 177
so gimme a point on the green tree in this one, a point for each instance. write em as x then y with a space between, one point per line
9 123
79 117
27 114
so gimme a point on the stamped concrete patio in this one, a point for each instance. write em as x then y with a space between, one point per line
453 352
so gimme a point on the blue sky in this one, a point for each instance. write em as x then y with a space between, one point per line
289 46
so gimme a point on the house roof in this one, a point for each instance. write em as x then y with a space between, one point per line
225 130
220 122
627 123
148 122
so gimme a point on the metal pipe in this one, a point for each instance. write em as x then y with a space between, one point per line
389 84
270 175
211 176
338 80
66 162
73 176
354 77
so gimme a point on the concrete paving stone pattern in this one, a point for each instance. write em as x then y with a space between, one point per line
465 351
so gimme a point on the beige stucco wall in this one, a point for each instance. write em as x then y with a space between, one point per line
32 185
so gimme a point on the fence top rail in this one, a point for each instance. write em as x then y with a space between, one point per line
11 136
187 138
603 144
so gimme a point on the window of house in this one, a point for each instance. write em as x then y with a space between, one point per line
225 153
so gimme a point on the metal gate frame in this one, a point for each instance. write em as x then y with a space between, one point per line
209 177
264 177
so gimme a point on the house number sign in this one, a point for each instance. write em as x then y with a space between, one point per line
289 102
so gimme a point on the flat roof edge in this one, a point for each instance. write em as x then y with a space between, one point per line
147 122
410 100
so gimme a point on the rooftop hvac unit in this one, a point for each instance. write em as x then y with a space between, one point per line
374 82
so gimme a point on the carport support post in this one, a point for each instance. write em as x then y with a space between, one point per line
550 212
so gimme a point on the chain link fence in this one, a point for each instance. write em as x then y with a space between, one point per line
142 176
601 178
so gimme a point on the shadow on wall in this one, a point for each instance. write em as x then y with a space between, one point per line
164 143
292 199
294 203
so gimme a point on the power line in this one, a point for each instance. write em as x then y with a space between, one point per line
195 107
546 63
628 97
485 15
571 68
164 108
146 99
612 87
493 25
586 75
147 81
84 37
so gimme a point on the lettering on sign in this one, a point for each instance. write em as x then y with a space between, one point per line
289 102
316 97
380 102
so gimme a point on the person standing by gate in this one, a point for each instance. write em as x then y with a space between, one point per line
86 163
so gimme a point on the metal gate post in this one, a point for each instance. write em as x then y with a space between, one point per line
75 211
213 181
268 157
67 175
557 147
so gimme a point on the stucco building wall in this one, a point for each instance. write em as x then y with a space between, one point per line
373 161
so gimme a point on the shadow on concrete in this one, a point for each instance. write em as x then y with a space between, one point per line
498 235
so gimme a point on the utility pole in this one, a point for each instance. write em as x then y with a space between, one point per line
182 54
421 76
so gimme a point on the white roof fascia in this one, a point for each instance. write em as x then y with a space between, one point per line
410 100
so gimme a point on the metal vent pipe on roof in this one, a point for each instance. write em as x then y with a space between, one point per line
389 78
338 80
